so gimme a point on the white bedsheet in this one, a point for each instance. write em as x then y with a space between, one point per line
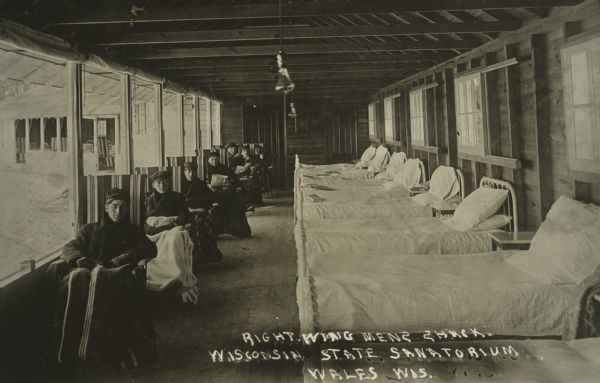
390 236
416 293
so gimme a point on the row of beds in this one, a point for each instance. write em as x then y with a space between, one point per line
371 259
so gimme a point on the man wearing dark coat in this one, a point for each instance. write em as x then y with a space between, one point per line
102 312
215 166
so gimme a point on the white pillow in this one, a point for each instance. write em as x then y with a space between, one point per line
496 221
569 211
560 255
367 156
410 174
381 159
479 205
443 182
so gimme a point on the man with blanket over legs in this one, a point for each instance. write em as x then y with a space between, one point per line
102 313
183 239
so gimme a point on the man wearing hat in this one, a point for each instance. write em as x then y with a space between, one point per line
102 314
234 158
112 241
215 166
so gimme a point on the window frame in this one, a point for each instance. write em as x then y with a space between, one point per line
481 145
372 119
421 117
389 121
586 46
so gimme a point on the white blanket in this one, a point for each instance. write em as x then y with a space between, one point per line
416 293
391 236
174 259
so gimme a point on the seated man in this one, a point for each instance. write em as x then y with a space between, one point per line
200 199
232 201
101 312
215 167
233 157
250 174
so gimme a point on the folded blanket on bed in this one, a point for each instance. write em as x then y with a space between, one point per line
583 320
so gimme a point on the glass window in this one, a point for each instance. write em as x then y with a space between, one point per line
35 184
172 115
103 127
388 111
215 116
372 119
469 114
145 122
417 117
189 126
581 82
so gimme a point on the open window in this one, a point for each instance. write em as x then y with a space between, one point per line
581 82
469 114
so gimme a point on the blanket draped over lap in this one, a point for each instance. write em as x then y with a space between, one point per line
174 259
103 319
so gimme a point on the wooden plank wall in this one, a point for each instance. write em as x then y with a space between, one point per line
232 119
526 136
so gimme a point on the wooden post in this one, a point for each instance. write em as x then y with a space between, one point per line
285 152
160 132
181 108
74 147
209 123
544 191
449 107
513 97
127 126
197 130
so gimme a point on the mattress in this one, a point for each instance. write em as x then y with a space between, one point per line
419 235
416 293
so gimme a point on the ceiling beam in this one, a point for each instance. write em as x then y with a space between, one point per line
298 9
326 59
271 50
303 33
295 69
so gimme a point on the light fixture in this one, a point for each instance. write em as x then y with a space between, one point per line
284 81
292 112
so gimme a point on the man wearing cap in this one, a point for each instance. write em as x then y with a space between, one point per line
216 167
102 314
112 241
233 156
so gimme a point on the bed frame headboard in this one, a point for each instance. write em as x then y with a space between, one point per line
423 170
510 206
461 183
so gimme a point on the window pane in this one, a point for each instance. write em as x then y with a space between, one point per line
145 123
35 185
584 132
172 124
189 126
580 79
101 130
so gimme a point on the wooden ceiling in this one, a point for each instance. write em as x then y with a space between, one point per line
336 49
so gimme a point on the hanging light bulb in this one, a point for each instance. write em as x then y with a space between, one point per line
292 113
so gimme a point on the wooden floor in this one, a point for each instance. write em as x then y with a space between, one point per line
252 290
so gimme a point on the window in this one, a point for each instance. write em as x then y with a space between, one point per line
205 133
50 141
417 117
20 140
469 114
372 117
189 126
35 134
388 121
215 115
581 81
172 123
